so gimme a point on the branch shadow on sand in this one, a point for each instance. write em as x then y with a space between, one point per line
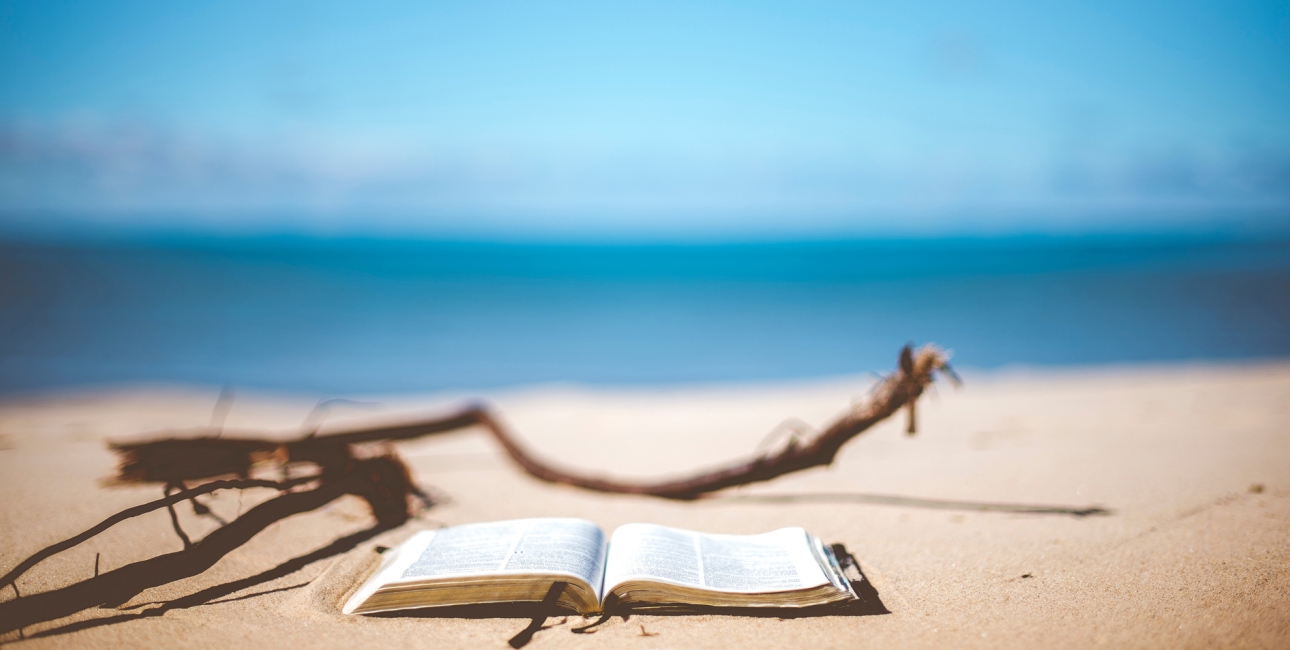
914 502
216 594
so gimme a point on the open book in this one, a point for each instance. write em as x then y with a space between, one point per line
642 566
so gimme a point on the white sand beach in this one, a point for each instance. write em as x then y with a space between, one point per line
1192 463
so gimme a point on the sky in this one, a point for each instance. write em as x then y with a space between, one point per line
644 119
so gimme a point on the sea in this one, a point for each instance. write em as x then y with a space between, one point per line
348 316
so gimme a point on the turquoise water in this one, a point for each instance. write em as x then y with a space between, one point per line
361 316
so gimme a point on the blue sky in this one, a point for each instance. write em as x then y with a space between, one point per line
653 118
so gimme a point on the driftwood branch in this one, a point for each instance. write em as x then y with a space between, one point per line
896 391
208 456
899 390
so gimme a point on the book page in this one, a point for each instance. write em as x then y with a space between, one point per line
473 548
522 546
780 560
656 553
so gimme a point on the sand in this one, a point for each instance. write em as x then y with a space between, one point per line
1192 461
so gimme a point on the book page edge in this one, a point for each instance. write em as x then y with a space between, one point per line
402 556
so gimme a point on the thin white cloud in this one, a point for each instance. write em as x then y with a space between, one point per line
122 168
